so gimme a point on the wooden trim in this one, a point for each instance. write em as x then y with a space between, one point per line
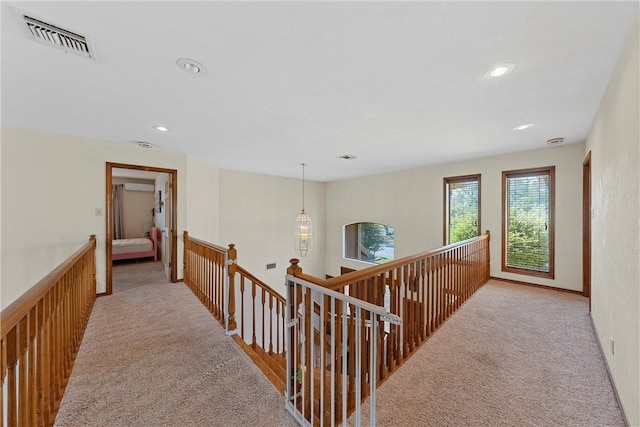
109 226
551 171
536 285
445 205
586 228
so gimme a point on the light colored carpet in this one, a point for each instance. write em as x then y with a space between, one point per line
152 355
512 356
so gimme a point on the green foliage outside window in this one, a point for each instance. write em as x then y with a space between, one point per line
462 198
528 223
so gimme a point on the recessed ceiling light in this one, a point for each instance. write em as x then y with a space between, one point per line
500 70
523 127
145 145
161 128
191 66
347 157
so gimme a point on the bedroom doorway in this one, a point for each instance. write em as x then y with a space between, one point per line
161 220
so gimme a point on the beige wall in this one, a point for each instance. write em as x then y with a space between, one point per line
412 203
51 187
258 212
203 215
614 142
137 207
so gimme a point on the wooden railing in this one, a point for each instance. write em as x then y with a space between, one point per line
423 290
207 271
41 332
246 306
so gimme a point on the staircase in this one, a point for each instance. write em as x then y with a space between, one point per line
333 363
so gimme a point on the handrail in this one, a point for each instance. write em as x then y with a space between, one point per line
40 336
424 290
260 283
353 276
12 314
227 289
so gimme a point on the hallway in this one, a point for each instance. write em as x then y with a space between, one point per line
153 355
513 355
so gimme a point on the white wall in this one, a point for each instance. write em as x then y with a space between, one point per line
51 187
412 203
614 141
258 212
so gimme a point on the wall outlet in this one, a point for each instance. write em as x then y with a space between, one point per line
271 266
613 347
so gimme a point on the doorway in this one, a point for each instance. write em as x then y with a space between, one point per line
586 228
170 205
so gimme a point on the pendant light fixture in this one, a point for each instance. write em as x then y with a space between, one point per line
303 234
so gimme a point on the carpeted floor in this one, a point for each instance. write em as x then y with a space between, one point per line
512 356
154 356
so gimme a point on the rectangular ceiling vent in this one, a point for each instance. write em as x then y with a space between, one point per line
58 37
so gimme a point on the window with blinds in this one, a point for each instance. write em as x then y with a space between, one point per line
528 221
461 208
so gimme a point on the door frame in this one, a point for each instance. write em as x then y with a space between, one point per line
586 228
109 218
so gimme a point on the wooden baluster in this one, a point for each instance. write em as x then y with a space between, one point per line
262 310
271 297
241 305
33 392
3 373
12 359
232 255
423 299
23 387
185 258
278 333
253 313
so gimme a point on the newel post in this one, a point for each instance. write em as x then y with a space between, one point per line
232 260
488 274
185 257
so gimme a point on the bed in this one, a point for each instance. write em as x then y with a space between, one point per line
143 247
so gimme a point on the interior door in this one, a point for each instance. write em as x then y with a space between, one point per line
168 234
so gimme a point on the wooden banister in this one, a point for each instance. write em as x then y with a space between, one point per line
261 309
40 334
424 290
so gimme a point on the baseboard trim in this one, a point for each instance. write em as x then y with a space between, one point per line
101 294
606 365
553 288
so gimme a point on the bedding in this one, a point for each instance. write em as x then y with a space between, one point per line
143 247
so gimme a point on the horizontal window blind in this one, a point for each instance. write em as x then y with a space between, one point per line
463 210
528 221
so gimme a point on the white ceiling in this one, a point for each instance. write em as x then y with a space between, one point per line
398 84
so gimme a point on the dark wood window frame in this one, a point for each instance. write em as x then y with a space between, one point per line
550 171
445 202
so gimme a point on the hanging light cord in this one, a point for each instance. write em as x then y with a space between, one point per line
302 187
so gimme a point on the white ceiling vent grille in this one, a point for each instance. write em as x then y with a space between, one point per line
58 37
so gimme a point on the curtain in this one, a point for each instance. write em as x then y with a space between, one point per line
118 224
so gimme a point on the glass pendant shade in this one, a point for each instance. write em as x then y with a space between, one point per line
303 234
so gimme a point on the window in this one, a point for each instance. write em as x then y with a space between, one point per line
461 208
528 221
368 241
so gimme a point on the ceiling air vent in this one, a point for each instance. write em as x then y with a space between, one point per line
57 37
